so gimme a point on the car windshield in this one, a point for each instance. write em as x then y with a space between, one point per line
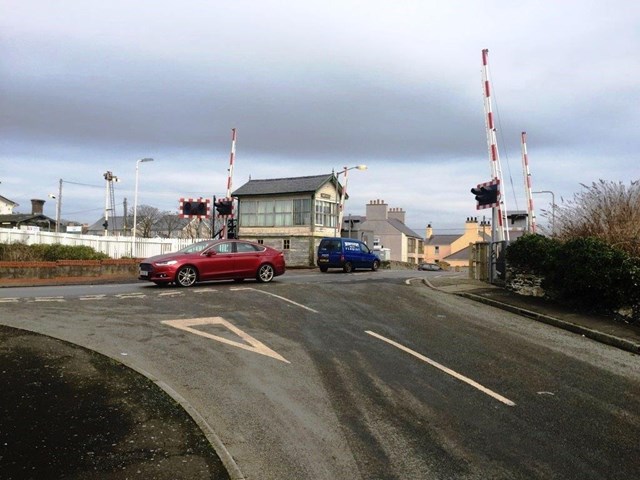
195 248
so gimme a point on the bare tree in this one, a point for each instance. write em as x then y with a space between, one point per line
147 219
169 224
609 211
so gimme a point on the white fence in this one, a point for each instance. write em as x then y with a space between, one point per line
115 247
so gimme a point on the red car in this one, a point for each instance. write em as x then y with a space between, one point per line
214 260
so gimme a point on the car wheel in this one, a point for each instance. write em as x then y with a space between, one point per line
186 276
265 273
347 267
324 269
375 266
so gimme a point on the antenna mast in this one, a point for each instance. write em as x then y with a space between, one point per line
502 232
531 222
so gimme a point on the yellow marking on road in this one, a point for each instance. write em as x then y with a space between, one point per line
250 343
441 367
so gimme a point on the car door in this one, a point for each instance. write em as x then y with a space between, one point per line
217 261
248 258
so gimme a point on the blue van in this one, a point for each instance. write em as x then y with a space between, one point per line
345 253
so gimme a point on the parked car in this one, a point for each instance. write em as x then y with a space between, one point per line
429 266
345 253
214 260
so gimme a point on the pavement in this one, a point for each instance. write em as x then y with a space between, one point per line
67 412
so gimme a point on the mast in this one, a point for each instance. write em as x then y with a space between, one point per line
501 230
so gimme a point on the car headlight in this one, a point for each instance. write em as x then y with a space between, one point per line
168 262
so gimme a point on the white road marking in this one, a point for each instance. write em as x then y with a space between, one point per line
9 300
49 299
409 280
93 297
281 298
130 295
205 290
170 294
253 345
441 367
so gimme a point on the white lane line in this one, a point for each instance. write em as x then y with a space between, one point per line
441 367
130 295
282 298
249 343
409 280
93 297
170 294
204 290
9 300
49 299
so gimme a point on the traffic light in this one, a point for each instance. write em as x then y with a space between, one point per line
231 228
224 207
193 208
487 194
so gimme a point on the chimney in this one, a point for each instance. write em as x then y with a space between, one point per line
471 226
377 210
429 232
37 206
397 213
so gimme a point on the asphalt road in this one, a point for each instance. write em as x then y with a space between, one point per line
362 376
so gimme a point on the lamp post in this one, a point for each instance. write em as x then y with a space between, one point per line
344 194
553 209
135 203
51 195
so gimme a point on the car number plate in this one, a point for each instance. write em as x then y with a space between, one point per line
322 260
144 273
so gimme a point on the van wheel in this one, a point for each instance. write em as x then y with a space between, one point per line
347 267
375 266
324 269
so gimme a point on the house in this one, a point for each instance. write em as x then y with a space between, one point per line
383 227
6 206
290 214
35 219
455 250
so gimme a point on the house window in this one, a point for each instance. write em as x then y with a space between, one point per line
436 250
326 213
261 241
275 213
286 244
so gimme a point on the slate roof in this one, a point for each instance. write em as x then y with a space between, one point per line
401 227
7 201
277 186
442 239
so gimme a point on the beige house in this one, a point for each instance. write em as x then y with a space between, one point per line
290 214
384 228
454 249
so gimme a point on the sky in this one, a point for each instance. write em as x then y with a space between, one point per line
312 87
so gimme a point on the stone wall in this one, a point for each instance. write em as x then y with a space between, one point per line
69 268
526 284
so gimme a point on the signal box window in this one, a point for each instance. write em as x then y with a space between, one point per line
286 244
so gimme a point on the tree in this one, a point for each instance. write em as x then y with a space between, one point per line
146 219
605 210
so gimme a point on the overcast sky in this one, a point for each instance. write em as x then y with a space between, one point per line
92 86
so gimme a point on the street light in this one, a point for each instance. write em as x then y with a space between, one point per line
51 195
135 203
344 193
553 209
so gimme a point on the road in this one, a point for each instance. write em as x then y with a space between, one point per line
361 376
